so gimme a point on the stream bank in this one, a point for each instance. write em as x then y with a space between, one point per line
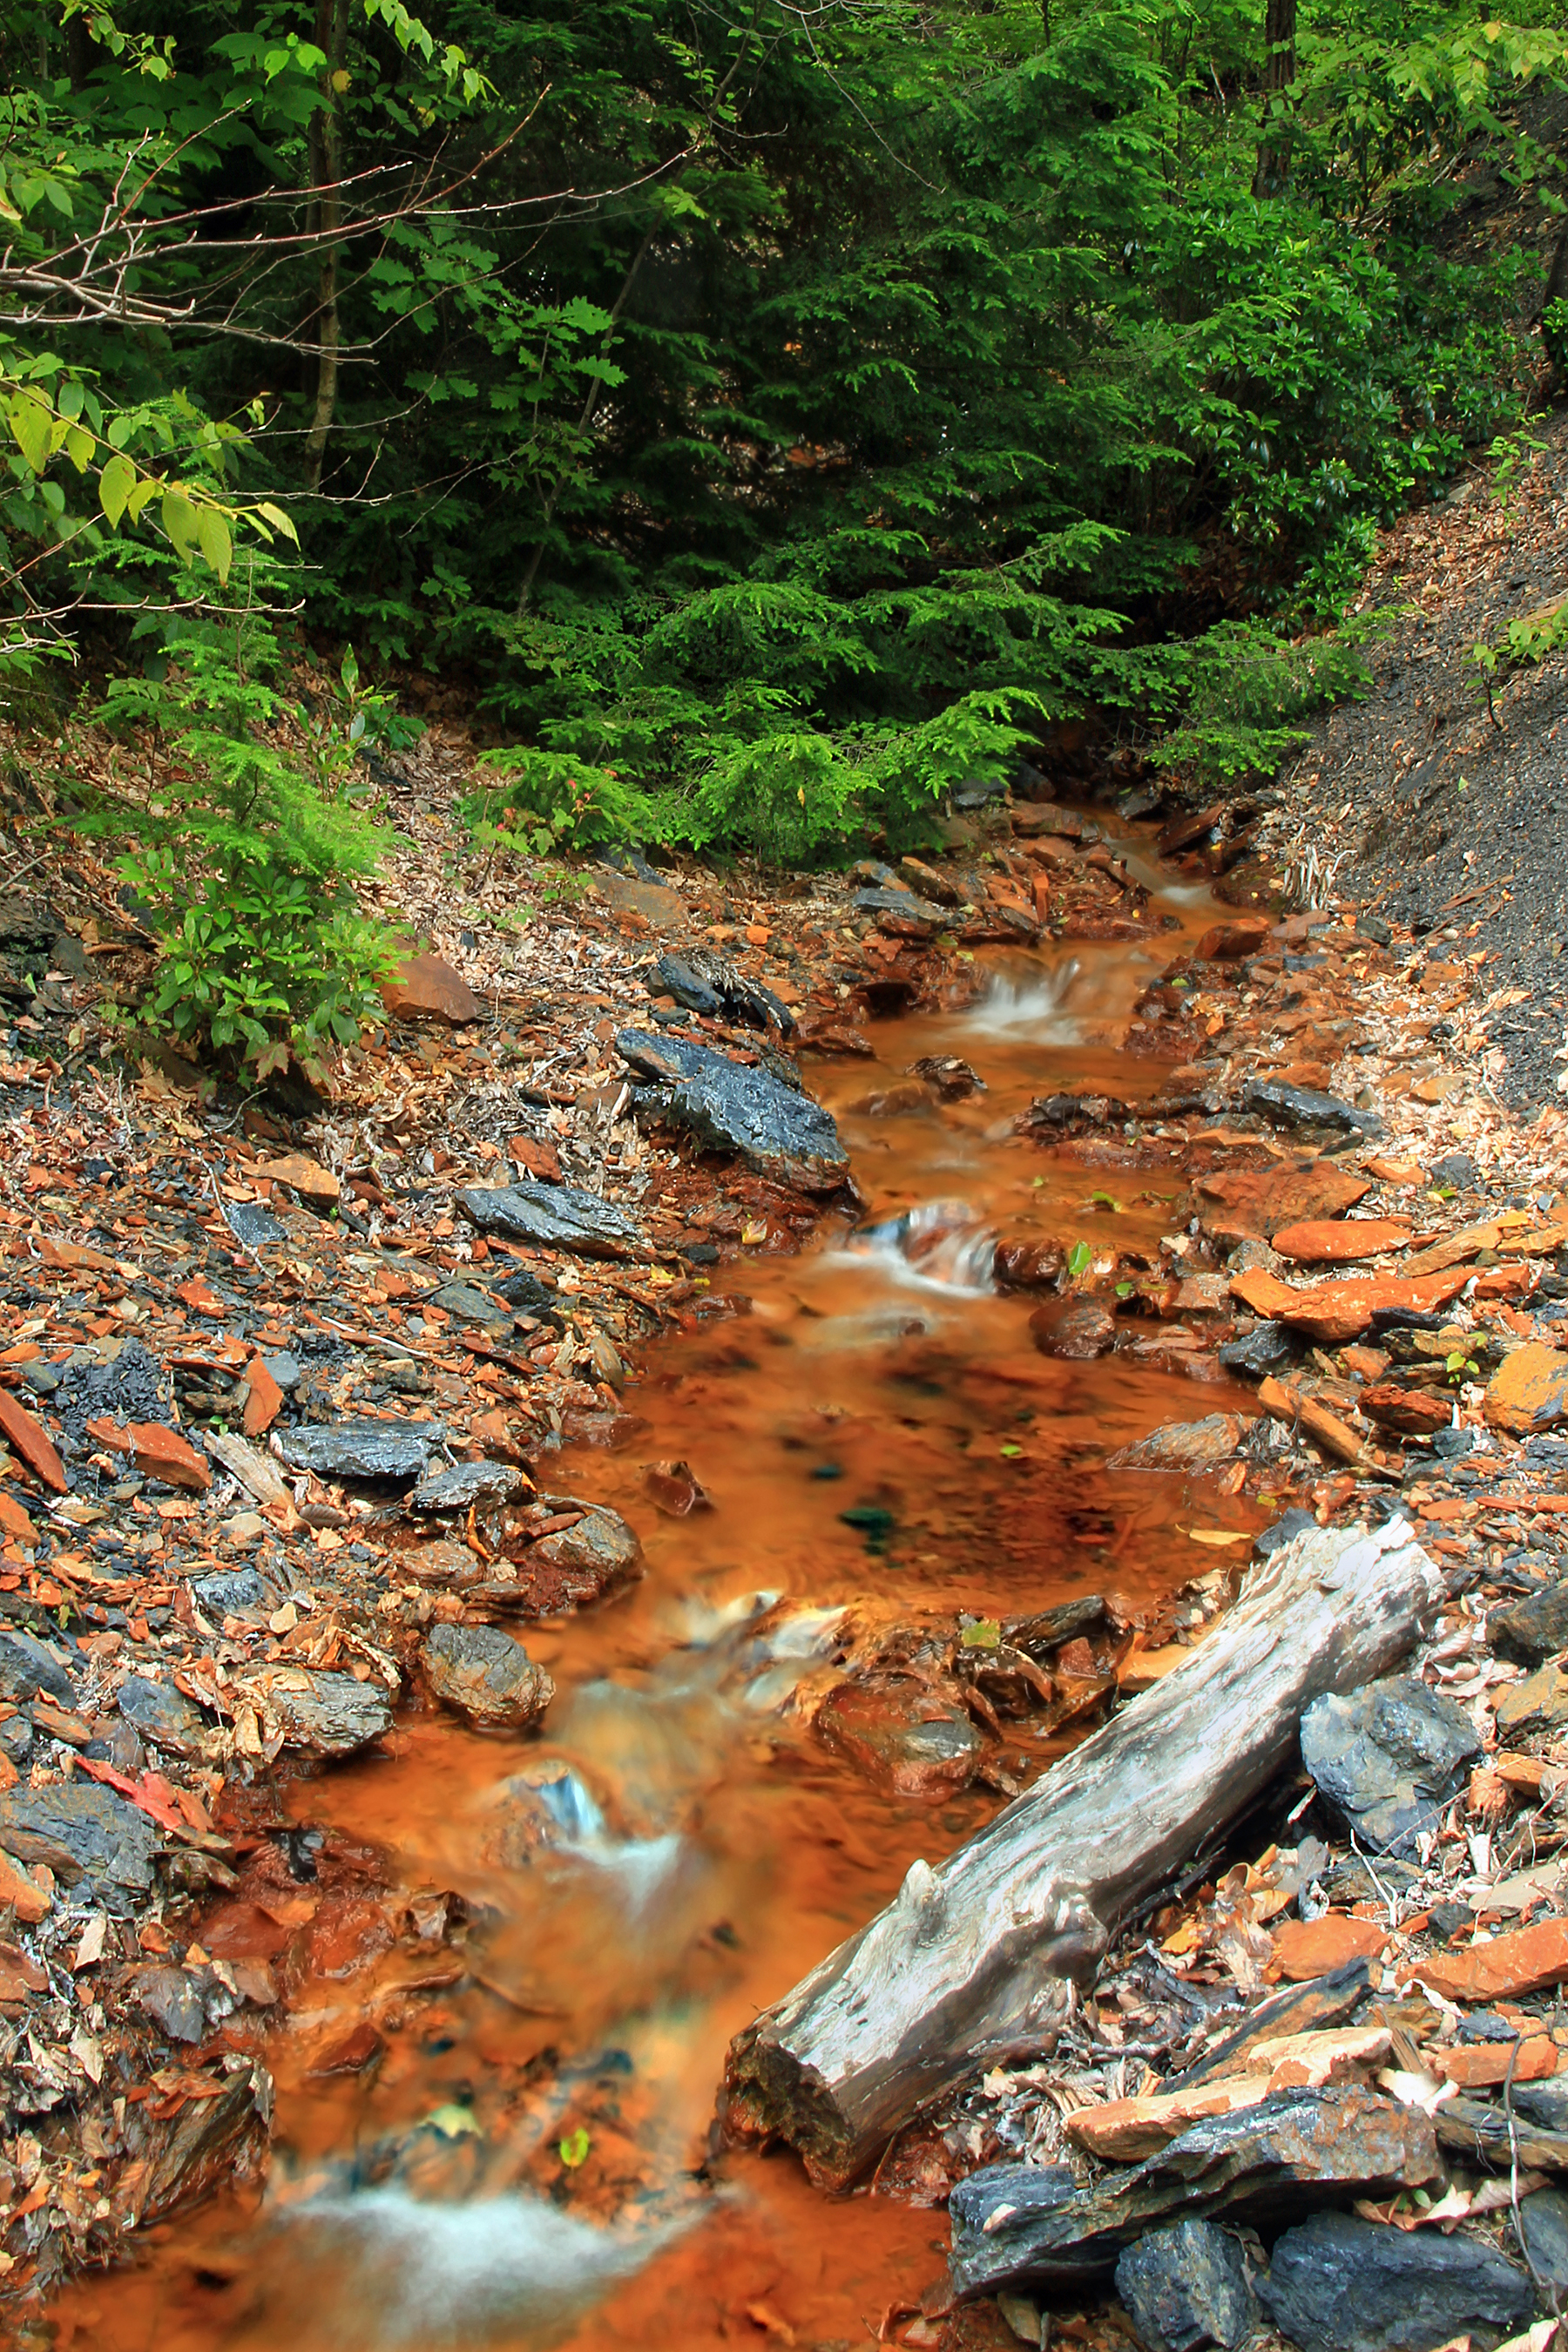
849 1510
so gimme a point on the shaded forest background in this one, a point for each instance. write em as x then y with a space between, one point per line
773 416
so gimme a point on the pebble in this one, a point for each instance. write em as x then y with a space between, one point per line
487 1675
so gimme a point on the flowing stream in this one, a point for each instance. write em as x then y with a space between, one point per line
876 1433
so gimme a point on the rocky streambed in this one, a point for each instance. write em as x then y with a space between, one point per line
506 1571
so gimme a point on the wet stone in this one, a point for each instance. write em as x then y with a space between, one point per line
163 1714
706 984
1075 1329
398 1450
1187 2286
1268 1348
730 1106
233 1593
1529 1631
1304 1108
555 1216
580 1563
465 1303
1543 2222
487 1675
908 1739
27 1667
1349 2285
1388 1757
82 1832
324 1714
469 1483
1184 1445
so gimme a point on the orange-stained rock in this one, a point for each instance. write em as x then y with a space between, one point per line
425 987
1228 943
26 1437
498 1438
1129 2130
265 1402
1503 1282
1337 1243
1529 1390
1336 1311
161 1453
1417 1410
1393 1171
14 1520
307 1177
1307 2061
1314 1948
1436 1089
1260 1200
539 1158
23 1894
1494 2061
1325 1429
1526 1961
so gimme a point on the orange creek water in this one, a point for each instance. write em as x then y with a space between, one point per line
526 2162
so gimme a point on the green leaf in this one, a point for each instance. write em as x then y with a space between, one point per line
212 538
115 485
983 1634
1080 1258
29 418
574 2149
455 2122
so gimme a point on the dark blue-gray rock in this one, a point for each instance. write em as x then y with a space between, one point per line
1304 1107
903 906
163 1714
528 1295
82 1832
284 1368
1455 1168
132 1386
1268 1348
1187 2286
487 1675
43 1379
465 1303
27 1667
397 1451
1526 1631
1285 1529
173 2001
706 984
1014 2223
1453 1444
1372 927
733 1108
553 1216
16 1738
601 1544
322 1714
234 1592
1338 2284
469 1483
1388 1757
1544 2224
1545 2103
251 1223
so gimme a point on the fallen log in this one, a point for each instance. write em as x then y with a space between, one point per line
971 1964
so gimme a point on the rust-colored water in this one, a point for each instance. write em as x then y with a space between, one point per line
730 1850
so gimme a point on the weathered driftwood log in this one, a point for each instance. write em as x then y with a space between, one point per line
970 1963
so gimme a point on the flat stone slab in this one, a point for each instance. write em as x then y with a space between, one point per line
733 1107
1333 1312
707 985
82 1832
1305 1107
466 1303
27 1667
469 1483
1183 1444
1340 1241
556 1216
163 1714
398 1450
1527 1632
324 1714
426 987
1529 1390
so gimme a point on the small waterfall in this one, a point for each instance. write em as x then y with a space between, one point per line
1031 1007
941 1245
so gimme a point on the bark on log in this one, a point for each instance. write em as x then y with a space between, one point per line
970 1963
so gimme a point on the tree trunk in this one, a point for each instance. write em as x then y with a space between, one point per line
970 1964
331 35
1556 337
1273 169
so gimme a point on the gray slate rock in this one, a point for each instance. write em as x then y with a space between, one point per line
284 1368
252 1225
469 1483
82 1832
1338 2284
601 1543
27 1667
705 983
468 1304
133 1387
1285 1529
1454 1167
161 1713
1303 1107
529 1296
322 1714
487 1675
1014 2223
1527 1631
1544 2219
555 1216
233 1593
1187 2286
175 2001
1545 2103
395 1450
1388 1757
777 1130
899 902
1271 1348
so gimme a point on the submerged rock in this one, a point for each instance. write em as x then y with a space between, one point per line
1348 2285
908 1739
1305 1107
574 1565
555 1216
1077 1328
734 1107
82 1832
1388 1757
1183 1444
487 1675
1187 2286
398 1450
